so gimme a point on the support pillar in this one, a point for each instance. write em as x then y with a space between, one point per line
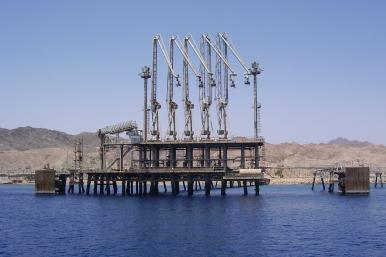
129 188
257 187
101 186
139 183
313 181
177 186
208 184
88 186
190 187
223 187
123 186
95 185
245 187
81 184
108 185
156 187
115 187
144 187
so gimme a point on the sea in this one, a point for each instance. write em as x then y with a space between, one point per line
284 220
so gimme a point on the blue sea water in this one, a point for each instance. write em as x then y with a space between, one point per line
282 221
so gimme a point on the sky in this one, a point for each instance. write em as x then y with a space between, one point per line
73 65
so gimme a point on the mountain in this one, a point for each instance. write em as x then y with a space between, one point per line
29 147
346 142
303 155
26 138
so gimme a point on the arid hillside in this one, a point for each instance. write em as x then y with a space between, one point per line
292 154
31 148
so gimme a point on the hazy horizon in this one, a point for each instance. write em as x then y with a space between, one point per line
73 66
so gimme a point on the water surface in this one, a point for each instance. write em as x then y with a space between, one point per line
282 221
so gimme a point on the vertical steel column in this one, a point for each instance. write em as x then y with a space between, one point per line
225 157
207 156
156 157
121 159
255 70
172 157
257 157
102 151
242 157
189 156
145 74
202 157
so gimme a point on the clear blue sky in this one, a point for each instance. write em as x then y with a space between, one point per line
73 65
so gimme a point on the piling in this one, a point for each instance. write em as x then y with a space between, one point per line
223 187
245 187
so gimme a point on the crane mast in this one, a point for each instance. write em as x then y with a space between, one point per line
253 71
154 104
221 92
219 80
188 105
205 83
222 64
188 132
206 90
172 106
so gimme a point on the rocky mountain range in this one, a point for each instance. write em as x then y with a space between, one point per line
31 148
26 138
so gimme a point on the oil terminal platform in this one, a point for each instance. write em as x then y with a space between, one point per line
180 163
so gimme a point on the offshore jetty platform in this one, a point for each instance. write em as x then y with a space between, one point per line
144 162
